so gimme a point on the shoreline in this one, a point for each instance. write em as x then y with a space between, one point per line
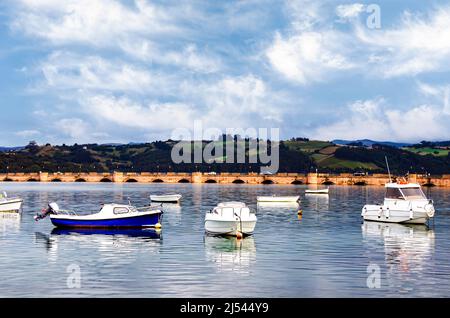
321 179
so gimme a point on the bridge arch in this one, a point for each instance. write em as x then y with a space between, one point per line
297 182
32 180
106 180
184 181
238 181
360 183
267 181
210 181
80 180
8 180
328 182
158 181
131 180
56 180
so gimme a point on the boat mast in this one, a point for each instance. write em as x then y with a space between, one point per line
389 171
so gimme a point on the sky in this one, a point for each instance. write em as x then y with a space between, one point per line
103 71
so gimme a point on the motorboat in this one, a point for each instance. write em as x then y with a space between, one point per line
9 204
317 191
404 202
166 198
110 216
276 198
230 218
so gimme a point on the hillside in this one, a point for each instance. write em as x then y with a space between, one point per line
296 155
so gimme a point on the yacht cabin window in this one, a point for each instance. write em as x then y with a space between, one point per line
413 193
121 210
394 193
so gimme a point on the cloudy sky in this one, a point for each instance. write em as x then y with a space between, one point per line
135 70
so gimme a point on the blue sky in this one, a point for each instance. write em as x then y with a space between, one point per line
120 71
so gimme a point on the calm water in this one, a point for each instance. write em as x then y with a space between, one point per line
326 253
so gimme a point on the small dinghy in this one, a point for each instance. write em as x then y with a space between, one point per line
230 218
317 191
275 198
9 204
110 216
166 198
403 203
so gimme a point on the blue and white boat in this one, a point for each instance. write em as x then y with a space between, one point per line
110 216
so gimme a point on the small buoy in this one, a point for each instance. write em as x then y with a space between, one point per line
157 225
239 235
300 212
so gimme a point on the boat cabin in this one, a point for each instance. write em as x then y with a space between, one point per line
406 191
230 209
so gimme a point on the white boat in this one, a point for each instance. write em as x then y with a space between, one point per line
275 198
166 198
403 203
230 218
317 191
9 204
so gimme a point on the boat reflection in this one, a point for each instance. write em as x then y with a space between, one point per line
287 205
9 222
139 233
408 248
318 202
230 253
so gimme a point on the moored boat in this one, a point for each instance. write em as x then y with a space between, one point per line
317 191
403 203
276 198
110 216
166 198
230 218
9 204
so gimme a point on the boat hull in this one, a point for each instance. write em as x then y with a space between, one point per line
165 198
278 199
11 205
395 216
229 228
140 221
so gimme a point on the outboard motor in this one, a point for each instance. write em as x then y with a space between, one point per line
53 208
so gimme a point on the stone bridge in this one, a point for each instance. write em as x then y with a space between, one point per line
223 178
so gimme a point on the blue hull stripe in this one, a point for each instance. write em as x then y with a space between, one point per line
129 222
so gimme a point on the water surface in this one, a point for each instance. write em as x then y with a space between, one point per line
324 253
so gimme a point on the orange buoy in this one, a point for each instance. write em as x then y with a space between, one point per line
239 235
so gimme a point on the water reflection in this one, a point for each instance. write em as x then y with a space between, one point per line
318 202
9 222
408 249
286 205
229 253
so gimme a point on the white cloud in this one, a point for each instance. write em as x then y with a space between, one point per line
124 112
348 11
374 119
189 57
75 128
63 70
97 22
308 56
418 45
440 93
28 133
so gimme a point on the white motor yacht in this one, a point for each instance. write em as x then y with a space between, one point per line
230 218
403 203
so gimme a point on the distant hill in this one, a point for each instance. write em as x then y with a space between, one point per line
299 155
370 143
6 149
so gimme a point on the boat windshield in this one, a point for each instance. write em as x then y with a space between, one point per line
413 193
394 193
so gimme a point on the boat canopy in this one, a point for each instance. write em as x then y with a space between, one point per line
409 191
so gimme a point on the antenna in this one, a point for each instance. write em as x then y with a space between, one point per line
389 171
